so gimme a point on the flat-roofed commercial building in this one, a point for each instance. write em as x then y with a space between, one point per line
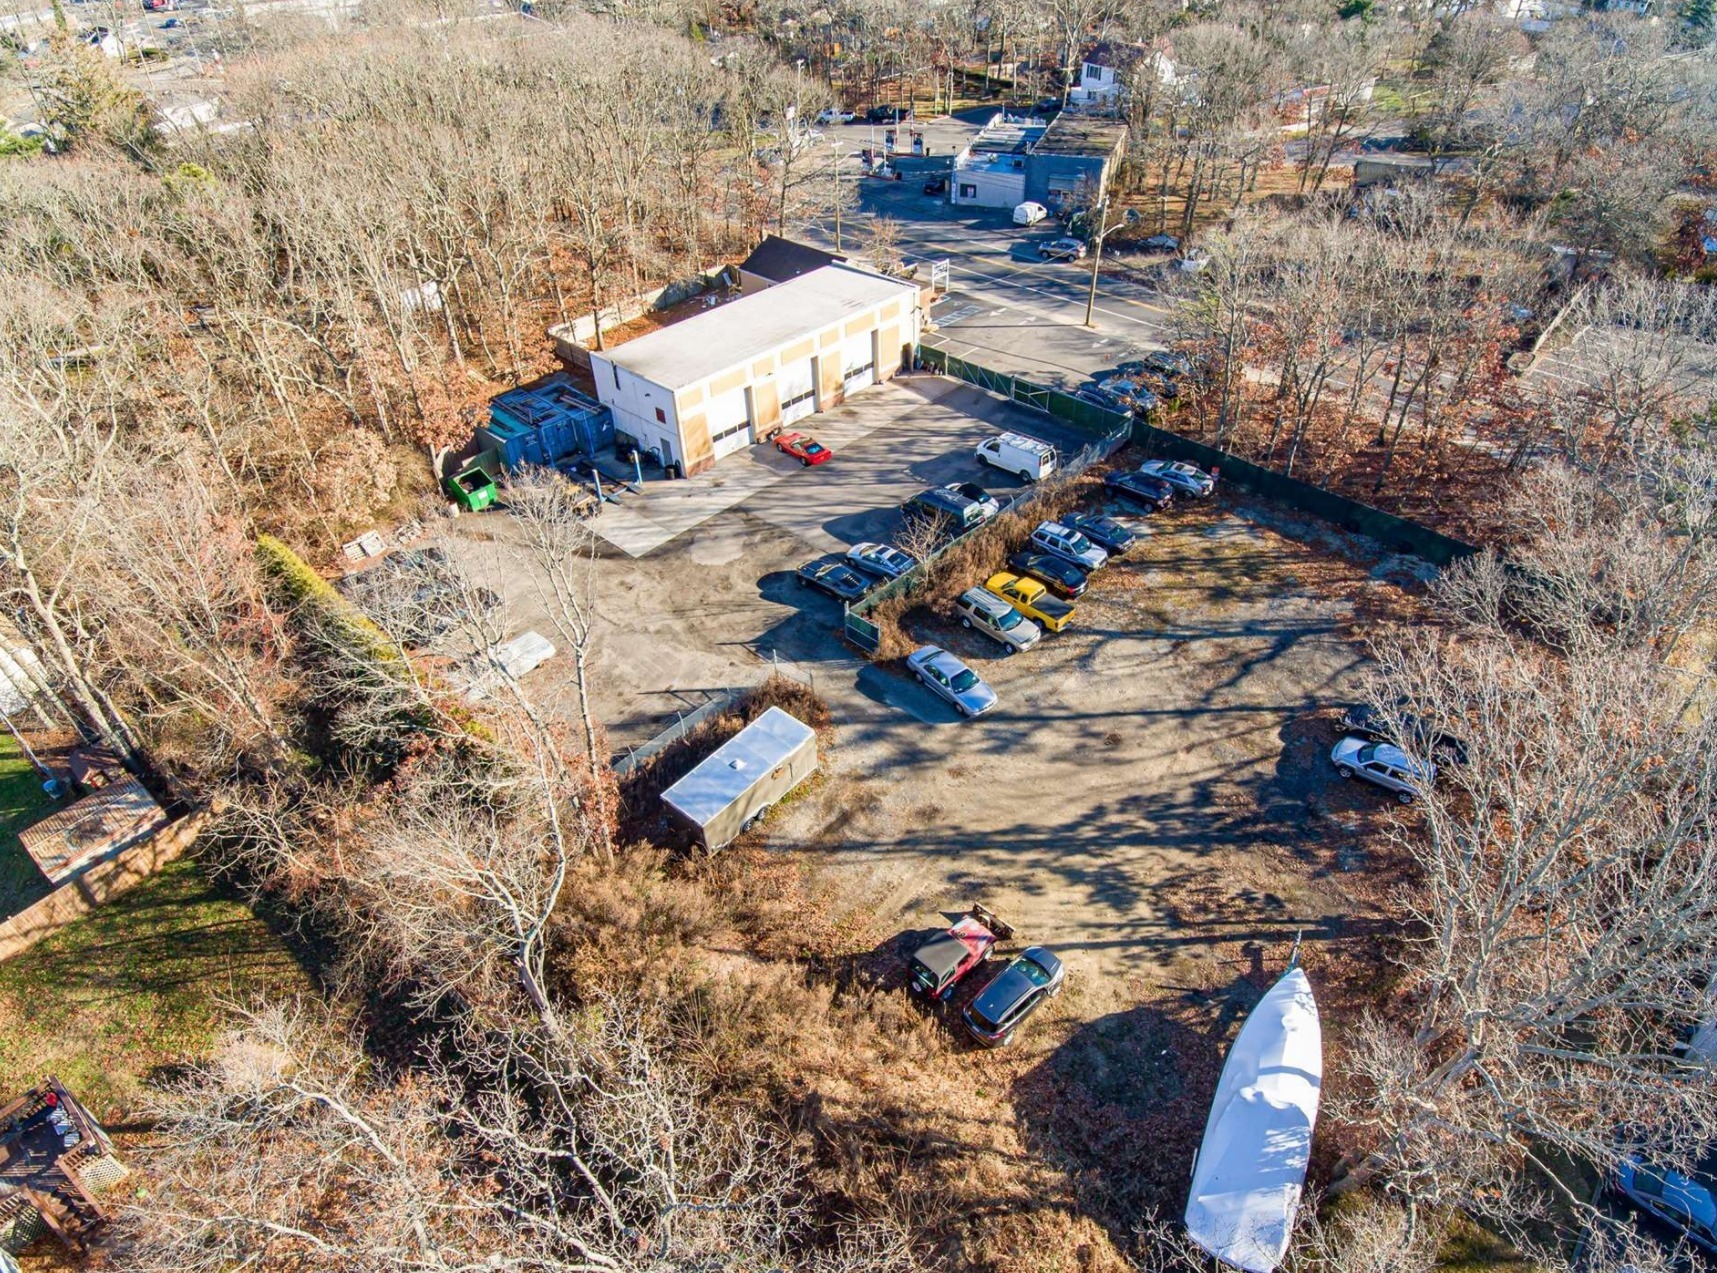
706 387
1012 161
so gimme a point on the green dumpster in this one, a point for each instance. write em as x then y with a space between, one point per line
472 488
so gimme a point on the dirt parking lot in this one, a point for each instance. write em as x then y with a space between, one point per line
1152 799
1171 746
1167 752
708 609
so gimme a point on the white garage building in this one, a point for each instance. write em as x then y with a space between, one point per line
703 388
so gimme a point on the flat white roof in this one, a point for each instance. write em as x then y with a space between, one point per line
690 352
732 769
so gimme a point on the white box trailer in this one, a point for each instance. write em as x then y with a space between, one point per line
747 774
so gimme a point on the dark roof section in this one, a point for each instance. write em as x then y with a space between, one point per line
1114 56
1080 135
778 259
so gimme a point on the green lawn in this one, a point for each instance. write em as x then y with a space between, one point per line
136 988
22 802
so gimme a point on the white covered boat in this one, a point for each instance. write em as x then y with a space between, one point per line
1251 1168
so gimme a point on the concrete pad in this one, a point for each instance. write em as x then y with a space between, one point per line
640 524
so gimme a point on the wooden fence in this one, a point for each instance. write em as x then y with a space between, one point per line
106 879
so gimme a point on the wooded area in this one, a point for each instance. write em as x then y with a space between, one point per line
220 355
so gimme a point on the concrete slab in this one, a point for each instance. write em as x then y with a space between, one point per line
640 524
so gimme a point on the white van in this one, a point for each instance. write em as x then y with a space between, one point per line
1027 458
1029 213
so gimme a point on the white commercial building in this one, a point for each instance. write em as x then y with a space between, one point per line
703 388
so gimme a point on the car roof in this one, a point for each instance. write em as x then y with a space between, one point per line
1003 578
942 954
945 662
1391 755
1002 993
988 602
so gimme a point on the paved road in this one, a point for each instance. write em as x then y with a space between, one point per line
1005 307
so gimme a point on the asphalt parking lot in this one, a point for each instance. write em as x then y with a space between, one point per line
1006 308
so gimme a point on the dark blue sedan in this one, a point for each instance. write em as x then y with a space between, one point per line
1140 488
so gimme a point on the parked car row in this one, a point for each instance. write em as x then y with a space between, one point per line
1155 483
1031 979
1014 610
1034 595
958 506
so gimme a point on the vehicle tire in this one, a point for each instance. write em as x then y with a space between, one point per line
804 464
802 583
1344 771
1405 797
1025 476
965 623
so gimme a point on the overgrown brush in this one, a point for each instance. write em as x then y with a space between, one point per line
972 559
642 818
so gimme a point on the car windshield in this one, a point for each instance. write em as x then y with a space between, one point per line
1033 972
1009 618
963 680
813 448
1078 543
1648 1181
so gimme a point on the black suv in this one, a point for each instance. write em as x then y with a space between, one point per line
1367 722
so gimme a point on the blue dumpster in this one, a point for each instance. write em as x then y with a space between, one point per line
547 423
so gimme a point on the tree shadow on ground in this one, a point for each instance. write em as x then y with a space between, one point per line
1120 1106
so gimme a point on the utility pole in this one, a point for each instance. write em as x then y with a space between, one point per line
1103 229
835 146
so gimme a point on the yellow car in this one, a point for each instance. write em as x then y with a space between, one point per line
1032 600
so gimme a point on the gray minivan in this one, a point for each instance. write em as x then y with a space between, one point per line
981 609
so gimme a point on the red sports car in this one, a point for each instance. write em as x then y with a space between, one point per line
803 448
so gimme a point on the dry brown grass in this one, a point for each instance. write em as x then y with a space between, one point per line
786 993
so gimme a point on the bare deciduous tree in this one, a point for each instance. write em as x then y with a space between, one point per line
1567 869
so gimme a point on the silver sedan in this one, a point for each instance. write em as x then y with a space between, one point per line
952 680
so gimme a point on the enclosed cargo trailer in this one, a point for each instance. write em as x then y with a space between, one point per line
746 775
